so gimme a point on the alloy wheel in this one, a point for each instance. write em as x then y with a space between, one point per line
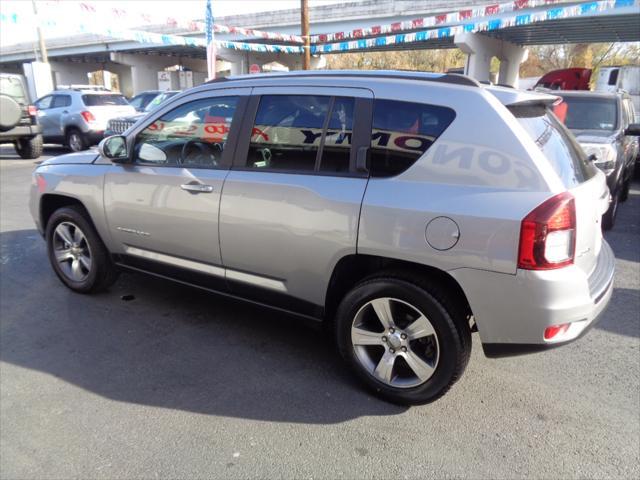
75 142
395 342
72 251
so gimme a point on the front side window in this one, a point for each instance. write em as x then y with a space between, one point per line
402 132
60 101
44 102
191 135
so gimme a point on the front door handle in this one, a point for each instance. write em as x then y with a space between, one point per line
197 188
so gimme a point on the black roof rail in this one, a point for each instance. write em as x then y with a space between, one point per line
451 78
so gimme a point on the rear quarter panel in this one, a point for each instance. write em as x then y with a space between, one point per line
484 172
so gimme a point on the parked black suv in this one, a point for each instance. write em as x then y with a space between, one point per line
18 120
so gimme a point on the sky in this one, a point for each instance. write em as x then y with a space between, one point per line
61 17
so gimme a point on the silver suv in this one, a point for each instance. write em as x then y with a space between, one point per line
403 210
78 116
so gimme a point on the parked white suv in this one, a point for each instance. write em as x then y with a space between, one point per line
403 210
77 116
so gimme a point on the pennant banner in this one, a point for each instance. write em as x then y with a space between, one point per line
433 20
103 11
164 39
587 8
99 8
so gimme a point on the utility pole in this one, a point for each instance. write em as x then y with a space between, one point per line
43 48
304 25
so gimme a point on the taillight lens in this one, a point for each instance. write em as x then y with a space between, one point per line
32 110
548 235
88 116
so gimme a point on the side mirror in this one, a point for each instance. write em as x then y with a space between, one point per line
114 148
633 129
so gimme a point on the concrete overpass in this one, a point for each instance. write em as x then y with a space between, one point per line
137 63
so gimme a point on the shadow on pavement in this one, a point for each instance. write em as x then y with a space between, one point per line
171 346
623 238
7 152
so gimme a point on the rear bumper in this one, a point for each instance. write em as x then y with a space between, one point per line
512 312
20 132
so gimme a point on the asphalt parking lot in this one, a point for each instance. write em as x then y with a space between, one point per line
176 383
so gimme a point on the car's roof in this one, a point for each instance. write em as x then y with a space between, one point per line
586 94
506 95
369 74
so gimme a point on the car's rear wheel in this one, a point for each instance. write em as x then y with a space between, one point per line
77 253
403 337
29 148
76 140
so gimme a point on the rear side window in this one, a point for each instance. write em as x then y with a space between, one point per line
302 133
402 132
557 143
103 100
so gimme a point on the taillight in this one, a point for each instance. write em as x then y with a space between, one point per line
548 235
88 116
32 110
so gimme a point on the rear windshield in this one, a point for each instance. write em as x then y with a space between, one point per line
557 143
584 113
103 100
13 87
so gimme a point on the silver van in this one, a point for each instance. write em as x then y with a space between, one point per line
402 210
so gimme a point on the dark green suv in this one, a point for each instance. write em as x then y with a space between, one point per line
18 120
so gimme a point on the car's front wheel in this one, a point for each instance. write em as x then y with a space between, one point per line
29 148
403 337
77 253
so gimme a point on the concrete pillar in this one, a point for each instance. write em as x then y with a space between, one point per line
144 68
240 61
480 49
67 73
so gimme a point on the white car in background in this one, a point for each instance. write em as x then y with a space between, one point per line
77 116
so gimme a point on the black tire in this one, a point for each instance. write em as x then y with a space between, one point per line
102 272
609 217
76 140
624 193
448 321
29 148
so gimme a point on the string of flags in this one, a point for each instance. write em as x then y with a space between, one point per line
554 13
141 36
476 19
433 20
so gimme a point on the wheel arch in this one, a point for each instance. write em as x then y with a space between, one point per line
352 269
50 202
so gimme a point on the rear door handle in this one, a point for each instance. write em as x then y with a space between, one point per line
197 188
